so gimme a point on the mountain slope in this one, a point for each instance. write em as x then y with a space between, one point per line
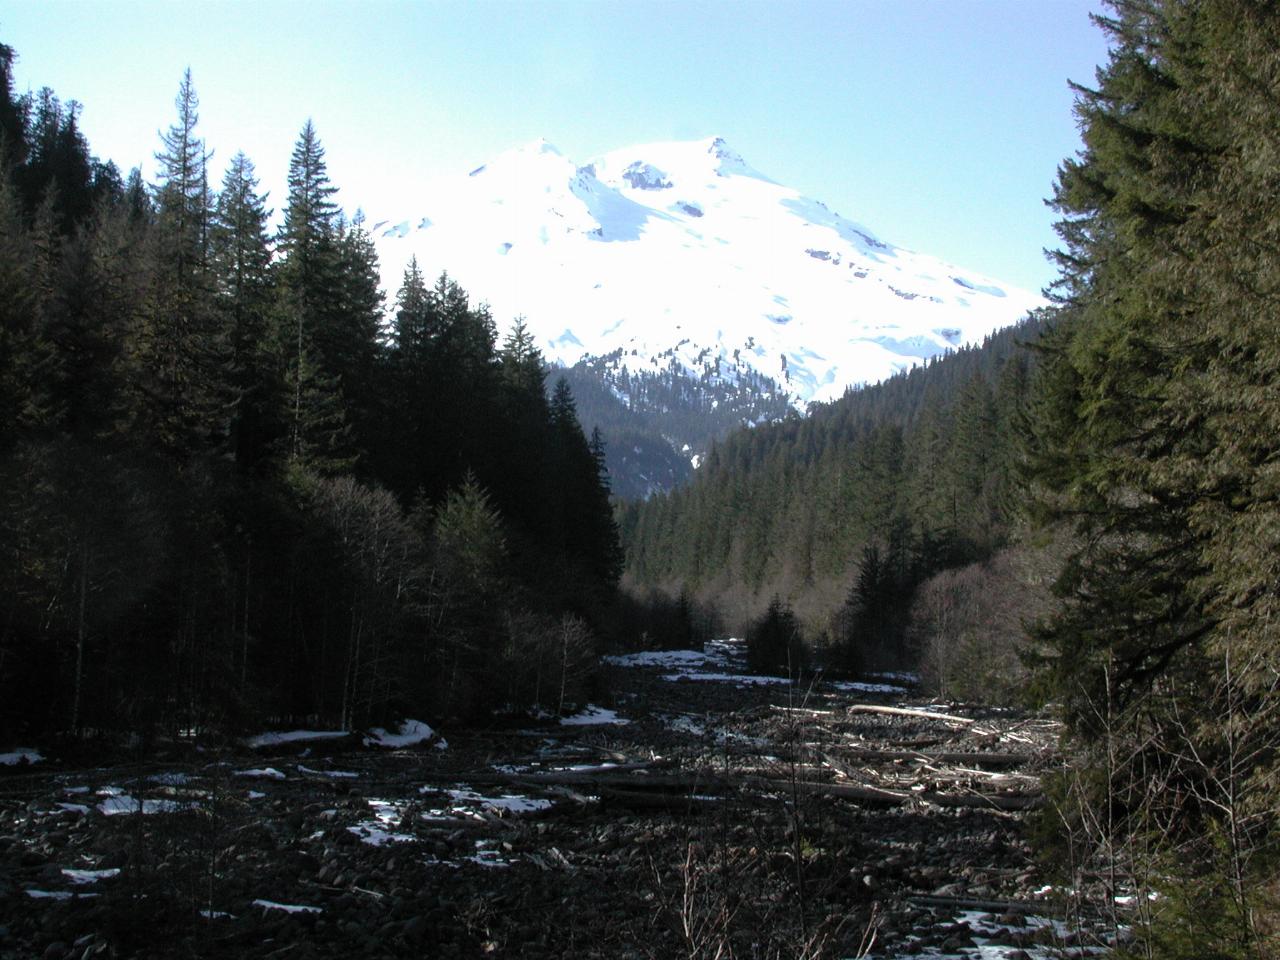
682 252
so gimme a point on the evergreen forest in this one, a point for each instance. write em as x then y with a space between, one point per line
233 492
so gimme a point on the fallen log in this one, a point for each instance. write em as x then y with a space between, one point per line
668 789
908 712
938 756
805 711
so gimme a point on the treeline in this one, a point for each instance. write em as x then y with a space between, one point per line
232 492
843 513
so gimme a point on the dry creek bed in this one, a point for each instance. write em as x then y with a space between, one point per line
724 818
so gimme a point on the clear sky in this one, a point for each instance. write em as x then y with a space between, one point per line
939 124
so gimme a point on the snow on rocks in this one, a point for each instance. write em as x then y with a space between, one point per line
113 806
80 877
741 679
591 716
854 686
410 733
379 831
53 894
507 802
19 756
667 659
261 773
116 802
287 907
688 725
560 828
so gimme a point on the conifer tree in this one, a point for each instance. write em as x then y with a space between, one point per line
182 192
183 349
240 255
1154 434
348 327
316 414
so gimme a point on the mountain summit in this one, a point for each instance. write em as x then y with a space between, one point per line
681 253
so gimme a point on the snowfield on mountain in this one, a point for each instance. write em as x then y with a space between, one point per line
681 253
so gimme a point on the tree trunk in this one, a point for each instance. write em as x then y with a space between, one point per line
80 635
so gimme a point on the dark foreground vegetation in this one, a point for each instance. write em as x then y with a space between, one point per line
721 819
231 494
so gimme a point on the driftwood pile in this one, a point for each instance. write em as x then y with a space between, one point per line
720 818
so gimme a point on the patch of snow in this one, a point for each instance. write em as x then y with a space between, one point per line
291 736
73 807
254 795
56 894
592 715
123 803
377 832
287 907
854 686
410 732
376 836
261 773
169 779
743 680
90 876
687 725
19 755
898 676
510 802
659 658
216 915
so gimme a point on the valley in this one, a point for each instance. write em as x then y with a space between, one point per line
706 813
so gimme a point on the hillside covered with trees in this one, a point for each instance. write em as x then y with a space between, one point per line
662 422
843 513
230 493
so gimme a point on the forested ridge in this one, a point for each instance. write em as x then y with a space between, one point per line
233 493
661 422
844 512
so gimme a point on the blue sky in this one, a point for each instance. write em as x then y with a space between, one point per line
937 124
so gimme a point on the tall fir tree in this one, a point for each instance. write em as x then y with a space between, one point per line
318 425
182 344
240 256
1154 447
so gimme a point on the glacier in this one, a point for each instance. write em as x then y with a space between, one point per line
682 253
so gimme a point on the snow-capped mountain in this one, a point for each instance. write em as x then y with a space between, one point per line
683 252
